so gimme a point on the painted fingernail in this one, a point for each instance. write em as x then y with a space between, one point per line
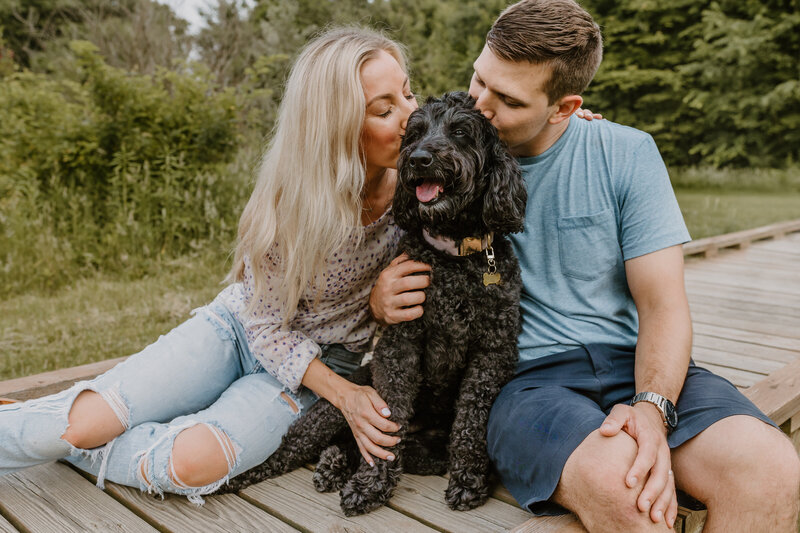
659 516
390 457
632 481
385 411
371 464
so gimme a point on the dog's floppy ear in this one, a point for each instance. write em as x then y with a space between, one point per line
506 195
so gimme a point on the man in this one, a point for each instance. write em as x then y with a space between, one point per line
605 316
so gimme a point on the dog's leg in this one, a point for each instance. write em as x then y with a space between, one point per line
396 378
491 365
332 470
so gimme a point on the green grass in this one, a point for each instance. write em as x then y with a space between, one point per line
714 212
109 316
102 317
774 180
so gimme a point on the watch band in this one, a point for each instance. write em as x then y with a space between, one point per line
668 414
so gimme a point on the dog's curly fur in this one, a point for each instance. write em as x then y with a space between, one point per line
442 371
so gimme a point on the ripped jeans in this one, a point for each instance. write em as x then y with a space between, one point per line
201 372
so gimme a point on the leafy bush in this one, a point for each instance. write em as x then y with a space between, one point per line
116 171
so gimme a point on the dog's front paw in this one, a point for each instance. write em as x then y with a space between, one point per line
331 473
369 488
466 490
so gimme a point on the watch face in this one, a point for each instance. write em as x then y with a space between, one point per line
670 414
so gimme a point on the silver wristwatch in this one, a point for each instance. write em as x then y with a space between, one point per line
664 405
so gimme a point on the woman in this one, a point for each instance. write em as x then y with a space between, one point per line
213 397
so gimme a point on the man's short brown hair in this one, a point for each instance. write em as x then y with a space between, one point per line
559 33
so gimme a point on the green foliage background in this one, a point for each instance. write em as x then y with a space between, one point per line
125 142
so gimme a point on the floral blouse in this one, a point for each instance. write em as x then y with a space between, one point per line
341 314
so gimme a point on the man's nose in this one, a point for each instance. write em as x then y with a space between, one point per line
482 104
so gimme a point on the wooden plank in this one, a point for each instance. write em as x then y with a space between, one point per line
753 272
739 280
52 497
567 523
747 336
781 245
778 395
744 312
719 300
292 498
422 497
759 323
750 259
736 361
226 513
740 237
770 281
740 378
745 348
6 527
55 381
707 286
762 255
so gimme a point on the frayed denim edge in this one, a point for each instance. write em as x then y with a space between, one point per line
194 494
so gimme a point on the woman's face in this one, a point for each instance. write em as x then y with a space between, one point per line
389 103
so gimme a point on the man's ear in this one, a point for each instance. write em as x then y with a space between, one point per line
565 107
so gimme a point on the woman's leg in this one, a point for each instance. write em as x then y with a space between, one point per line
195 454
183 372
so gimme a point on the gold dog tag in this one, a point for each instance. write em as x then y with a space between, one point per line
491 278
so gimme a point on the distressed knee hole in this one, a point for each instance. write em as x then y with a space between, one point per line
95 418
290 402
196 460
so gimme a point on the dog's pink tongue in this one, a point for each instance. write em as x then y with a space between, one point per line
428 191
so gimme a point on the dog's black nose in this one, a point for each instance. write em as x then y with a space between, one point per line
420 158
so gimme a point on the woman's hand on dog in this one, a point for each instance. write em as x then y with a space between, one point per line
397 295
367 414
365 411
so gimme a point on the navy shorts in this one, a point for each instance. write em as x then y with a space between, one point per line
554 402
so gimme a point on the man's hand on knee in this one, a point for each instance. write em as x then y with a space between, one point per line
653 458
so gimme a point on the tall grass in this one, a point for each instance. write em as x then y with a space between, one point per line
114 173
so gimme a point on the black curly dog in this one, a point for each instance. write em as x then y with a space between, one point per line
457 186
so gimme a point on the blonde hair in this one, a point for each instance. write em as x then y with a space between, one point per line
306 204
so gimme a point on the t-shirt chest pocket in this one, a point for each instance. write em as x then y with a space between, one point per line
588 245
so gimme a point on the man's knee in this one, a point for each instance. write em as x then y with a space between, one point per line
768 470
739 463
201 455
593 485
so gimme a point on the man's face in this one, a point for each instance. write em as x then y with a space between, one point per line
510 95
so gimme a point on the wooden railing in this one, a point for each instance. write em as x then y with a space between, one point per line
710 246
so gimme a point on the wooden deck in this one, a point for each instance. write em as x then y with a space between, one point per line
745 301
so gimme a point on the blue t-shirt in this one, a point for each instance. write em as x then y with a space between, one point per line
596 198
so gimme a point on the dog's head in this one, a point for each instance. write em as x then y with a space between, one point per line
455 177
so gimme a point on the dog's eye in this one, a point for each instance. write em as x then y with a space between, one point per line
459 132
